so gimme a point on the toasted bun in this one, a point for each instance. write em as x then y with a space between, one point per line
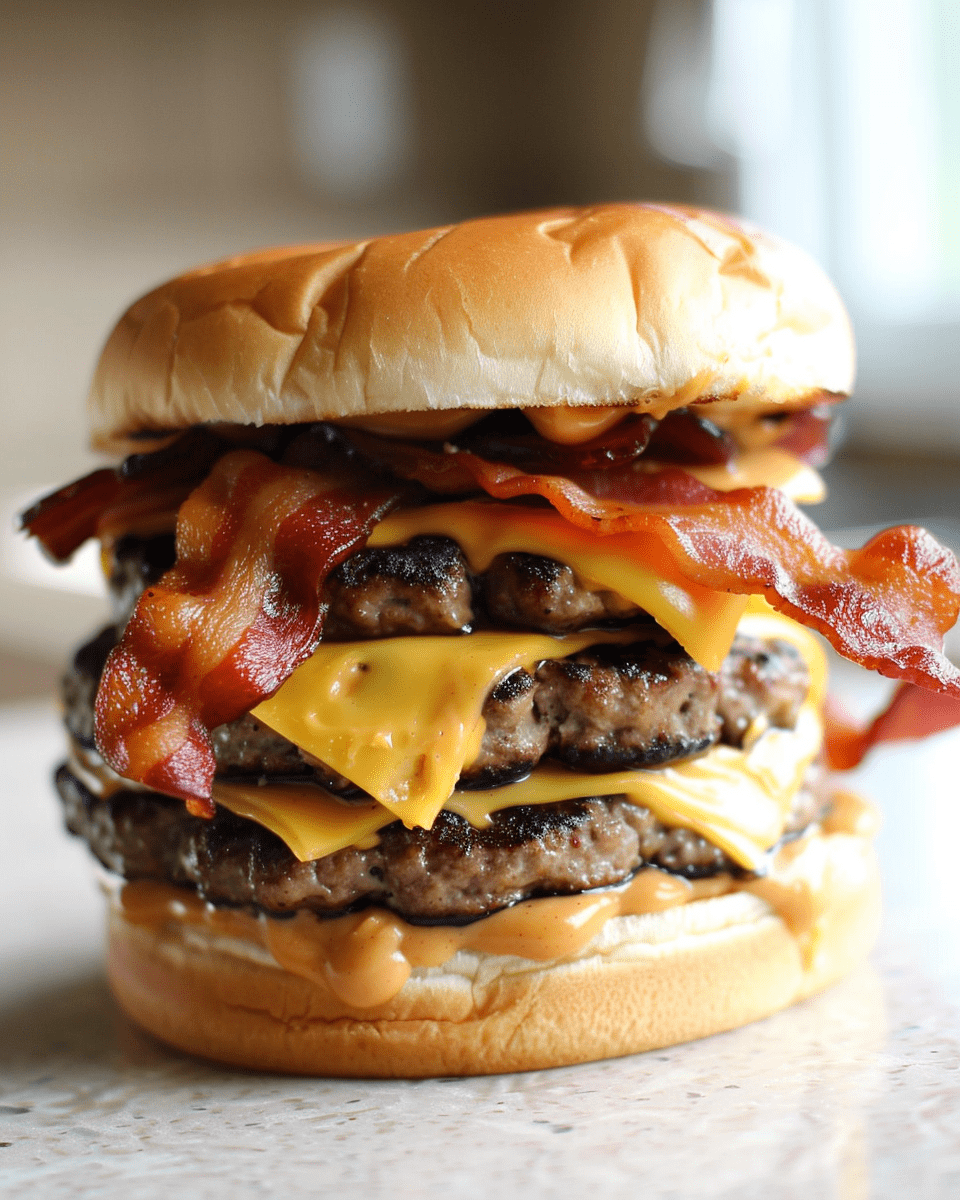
644 982
640 304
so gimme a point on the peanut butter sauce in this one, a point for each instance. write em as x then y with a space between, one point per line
365 958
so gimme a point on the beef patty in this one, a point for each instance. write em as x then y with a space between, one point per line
607 708
452 872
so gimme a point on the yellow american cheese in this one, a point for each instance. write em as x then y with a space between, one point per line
312 822
401 717
738 799
702 621
765 467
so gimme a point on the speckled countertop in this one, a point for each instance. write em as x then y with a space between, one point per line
853 1094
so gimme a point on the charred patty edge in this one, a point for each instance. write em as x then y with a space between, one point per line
452 874
606 708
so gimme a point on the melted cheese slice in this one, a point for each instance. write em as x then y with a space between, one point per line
765 467
312 822
401 717
702 621
738 799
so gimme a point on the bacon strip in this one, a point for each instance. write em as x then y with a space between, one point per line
912 713
684 436
233 617
885 606
65 519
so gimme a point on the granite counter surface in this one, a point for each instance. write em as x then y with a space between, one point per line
853 1094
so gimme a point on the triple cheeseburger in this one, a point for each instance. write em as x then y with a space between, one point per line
462 710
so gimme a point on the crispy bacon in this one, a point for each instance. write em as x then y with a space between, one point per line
65 519
454 471
885 606
682 437
912 713
231 619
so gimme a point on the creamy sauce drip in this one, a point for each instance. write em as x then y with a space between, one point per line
569 425
365 958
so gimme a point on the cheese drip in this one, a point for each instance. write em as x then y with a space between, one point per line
738 799
703 621
401 717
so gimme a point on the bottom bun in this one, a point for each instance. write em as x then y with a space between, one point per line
644 982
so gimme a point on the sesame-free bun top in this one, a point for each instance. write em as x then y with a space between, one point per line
649 305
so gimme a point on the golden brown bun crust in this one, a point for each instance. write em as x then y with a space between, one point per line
686 978
640 304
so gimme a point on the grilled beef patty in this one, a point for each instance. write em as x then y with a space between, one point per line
449 873
605 708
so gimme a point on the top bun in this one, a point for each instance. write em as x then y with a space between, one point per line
642 304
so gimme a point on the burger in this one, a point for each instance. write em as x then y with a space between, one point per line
463 709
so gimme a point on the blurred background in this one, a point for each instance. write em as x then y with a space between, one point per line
142 136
